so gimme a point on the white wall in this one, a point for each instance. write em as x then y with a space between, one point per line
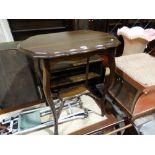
5 32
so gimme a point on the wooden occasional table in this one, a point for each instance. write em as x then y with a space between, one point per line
49 49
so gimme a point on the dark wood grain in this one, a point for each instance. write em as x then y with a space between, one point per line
68 43
23 28
132 97
68 46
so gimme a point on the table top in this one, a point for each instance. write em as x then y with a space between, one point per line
67 43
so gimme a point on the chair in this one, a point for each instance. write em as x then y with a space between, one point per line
133 88
135 39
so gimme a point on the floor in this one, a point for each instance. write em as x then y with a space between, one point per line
71 126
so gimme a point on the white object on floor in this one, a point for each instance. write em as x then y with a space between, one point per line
65 128
77 124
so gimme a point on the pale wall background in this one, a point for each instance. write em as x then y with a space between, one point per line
5 32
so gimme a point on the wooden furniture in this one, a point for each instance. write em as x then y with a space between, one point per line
135 39
70 73
49 49
23 28
134 86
